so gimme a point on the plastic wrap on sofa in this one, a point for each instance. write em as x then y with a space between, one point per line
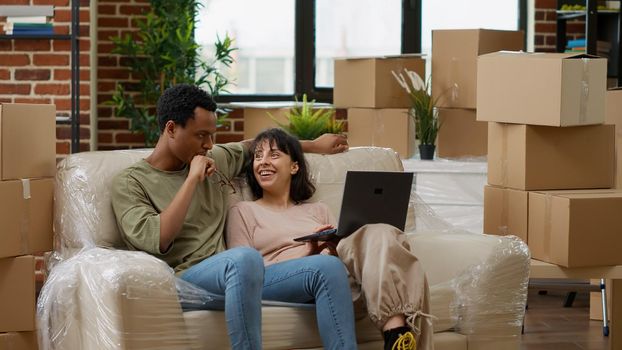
111 299
491 296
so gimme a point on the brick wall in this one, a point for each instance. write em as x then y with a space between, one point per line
546 26
116 17
39 71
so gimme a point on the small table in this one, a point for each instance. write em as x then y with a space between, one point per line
541 269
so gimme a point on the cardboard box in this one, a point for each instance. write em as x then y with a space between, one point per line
576 228
527 157
506 212
26 216
368 82
392 128
257 119
17 294
454 61
19 341
554 89
613 115
460 134
27 141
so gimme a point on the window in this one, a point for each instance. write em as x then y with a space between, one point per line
354 28
264 35
460 14
287 47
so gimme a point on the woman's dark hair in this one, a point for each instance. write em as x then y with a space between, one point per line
178 102
301 187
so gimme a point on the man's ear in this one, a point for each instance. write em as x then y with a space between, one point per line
169 128
295 168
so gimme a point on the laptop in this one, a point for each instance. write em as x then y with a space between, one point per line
370 197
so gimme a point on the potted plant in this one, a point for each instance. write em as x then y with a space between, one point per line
163 53
423 110
307 123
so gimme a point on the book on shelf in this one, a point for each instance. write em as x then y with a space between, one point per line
29 29
26 10
576 43
27 19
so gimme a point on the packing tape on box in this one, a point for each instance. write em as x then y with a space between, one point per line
504 154
377 131
24 227
548 223
585 91
505 201
454 69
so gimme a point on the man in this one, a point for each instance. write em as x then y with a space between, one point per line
172 205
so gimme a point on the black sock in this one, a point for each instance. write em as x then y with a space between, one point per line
392 335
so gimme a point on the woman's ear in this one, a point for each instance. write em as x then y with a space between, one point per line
294 168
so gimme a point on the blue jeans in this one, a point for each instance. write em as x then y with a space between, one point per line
319 278
238 274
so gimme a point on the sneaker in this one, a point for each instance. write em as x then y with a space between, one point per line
405 341
401 338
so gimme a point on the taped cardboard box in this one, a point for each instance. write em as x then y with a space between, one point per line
454 61
27 141
460 134
368 82
506 212
17 294
576 228
554 89
613 115
526 157
392 128
26 217
18 341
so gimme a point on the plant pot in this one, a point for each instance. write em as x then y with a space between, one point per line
427 151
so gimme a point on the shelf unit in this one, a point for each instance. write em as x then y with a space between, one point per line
606 25
73 37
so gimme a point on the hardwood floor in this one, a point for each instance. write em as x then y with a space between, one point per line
549 325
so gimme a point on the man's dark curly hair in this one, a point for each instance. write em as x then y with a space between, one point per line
178 102
302 187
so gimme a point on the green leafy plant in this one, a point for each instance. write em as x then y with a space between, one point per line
423 106
163 53
308 123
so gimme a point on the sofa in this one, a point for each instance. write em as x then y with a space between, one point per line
100 296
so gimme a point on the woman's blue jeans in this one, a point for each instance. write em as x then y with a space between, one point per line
239 275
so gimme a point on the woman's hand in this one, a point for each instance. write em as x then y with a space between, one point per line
329 247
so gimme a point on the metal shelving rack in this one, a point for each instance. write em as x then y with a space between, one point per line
591 15
73 37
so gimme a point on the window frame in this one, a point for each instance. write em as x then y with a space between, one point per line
304 51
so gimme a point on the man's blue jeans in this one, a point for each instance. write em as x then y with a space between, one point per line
239 275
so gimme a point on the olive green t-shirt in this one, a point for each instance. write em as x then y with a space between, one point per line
141 192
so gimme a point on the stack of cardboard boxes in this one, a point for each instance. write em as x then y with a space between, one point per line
454 84
27 167
551 160
377 105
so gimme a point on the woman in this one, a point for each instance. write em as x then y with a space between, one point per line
391 284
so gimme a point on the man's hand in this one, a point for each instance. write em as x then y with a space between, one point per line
326 144
201 166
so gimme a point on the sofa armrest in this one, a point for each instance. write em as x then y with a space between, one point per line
111 299
489 274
